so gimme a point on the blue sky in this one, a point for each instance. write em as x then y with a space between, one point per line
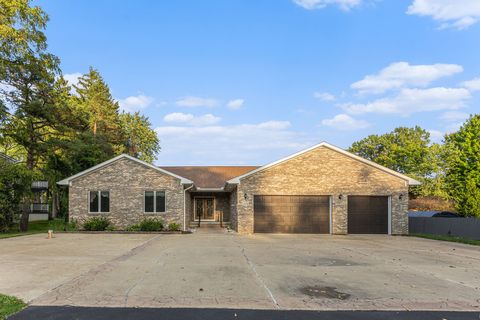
250 81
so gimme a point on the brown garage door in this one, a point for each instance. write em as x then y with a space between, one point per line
367 214
291 214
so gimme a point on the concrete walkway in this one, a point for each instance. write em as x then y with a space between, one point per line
225 270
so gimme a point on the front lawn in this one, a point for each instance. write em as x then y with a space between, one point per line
447 238
9 305
37 227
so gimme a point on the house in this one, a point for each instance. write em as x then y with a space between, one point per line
323 189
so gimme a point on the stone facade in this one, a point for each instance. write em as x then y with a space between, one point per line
323 171
126 180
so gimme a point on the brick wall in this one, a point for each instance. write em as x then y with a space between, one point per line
127 181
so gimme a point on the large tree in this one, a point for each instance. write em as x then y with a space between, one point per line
140 140
463 167
406 150
27 74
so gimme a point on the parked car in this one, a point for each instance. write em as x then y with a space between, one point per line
446 214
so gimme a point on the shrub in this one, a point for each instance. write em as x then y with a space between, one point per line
96 224
133 227
173 226
151 224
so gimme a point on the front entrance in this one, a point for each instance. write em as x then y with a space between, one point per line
204 208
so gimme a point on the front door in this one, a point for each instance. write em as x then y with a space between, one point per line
204 209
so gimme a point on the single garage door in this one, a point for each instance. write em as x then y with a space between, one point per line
291 214
368 214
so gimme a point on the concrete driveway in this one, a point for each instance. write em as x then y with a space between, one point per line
318 272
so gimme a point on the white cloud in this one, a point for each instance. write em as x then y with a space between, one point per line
178 117
403 74
234 144
192 101
324 96
319 4
190 119
345 122
274 125
135 103
454 116
459 14
72 78
472 85
409 101
235 104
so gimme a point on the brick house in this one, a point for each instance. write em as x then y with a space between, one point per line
323 189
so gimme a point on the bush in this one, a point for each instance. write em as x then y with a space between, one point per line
151 224
133 227
96 224
174 227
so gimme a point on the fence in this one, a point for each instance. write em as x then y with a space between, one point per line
457 227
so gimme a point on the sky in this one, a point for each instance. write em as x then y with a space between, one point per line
247 82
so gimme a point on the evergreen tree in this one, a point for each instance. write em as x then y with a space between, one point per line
140 140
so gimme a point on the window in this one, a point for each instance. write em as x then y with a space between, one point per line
99 201
154 201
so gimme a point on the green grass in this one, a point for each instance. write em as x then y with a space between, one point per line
447 238
10 305
36 227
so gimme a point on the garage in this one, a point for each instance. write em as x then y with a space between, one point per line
291 214
368 214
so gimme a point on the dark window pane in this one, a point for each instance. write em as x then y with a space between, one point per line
149 201
160 201
93 201
105 201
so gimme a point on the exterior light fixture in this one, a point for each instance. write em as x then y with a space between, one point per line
400 197
340 196
245 196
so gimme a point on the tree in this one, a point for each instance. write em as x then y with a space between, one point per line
99 109
27 73
409 151
15 182
463 167
140 140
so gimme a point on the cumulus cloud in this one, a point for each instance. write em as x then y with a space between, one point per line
454 116
409 101
459 14
472 85
135 103
192 101
235 104
345 122
234 144
190 119
402 74
324 96
319 4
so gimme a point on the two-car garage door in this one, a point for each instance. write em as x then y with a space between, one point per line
291 214
311 214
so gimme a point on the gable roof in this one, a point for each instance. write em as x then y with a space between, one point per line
410 181
66 181
209 177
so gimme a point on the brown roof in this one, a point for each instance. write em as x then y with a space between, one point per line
210 176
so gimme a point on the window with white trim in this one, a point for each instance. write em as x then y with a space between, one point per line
99 201
154 201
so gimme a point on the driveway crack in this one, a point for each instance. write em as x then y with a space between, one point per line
260 280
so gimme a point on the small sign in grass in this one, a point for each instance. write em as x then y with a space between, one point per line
10 305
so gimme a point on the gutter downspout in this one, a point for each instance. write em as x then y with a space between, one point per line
185 207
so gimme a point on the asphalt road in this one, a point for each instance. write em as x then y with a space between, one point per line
94 313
